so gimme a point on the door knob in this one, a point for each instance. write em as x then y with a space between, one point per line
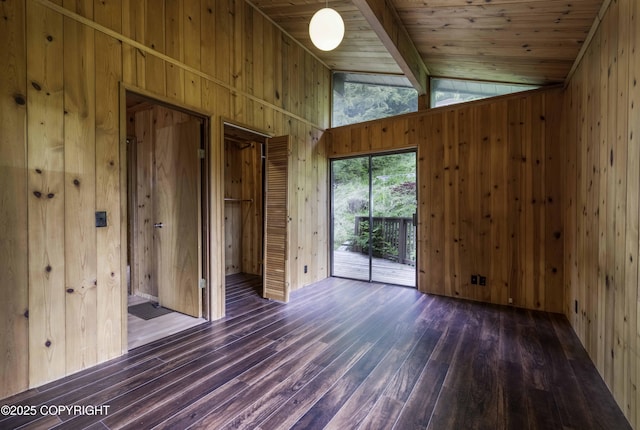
158 225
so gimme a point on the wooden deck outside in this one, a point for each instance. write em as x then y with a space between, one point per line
342 354
354 265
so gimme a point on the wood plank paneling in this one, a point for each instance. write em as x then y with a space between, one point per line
233 221
553 210
142 218
211 97
451 204
110 240
80 185
433 212
243 202
600 119
224 23
14 271
252 211
483 172
633 180
154 37
498 204
191 47
133 27
45 152
129 66
75 56
295 195
175 47
511 41
620 148
598 69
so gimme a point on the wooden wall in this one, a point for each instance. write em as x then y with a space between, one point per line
489 195
14 297
602 164
232 209
62 158
243 213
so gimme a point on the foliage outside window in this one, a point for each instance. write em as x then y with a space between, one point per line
358 97
394 195
446 92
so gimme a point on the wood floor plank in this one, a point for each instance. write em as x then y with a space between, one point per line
532 355
289 412
41 424
331 402
453 401
343 354
513 415
378 357
543 413
569 399
273 367
295 412
383 415
482 403
284 391
363 400
605 412
228 410
418 410
403 381
407 335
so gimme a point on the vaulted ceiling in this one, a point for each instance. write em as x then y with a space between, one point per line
518 41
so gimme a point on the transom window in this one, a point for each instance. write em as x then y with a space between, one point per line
359 97
446 92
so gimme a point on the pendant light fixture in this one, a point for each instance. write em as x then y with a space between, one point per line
326 28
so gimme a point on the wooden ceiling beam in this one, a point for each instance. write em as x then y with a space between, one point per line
384 21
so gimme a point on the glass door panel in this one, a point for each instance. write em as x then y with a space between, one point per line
393 196
377 191
350 215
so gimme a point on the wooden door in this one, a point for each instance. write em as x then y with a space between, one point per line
276 219
177 217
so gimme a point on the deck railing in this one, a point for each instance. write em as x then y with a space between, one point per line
394 238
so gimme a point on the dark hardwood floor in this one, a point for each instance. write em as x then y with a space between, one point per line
342 355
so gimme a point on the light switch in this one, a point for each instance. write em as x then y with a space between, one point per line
101 219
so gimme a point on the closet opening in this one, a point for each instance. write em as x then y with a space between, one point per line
244 197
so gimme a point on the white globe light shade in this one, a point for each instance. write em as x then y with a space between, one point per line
326 29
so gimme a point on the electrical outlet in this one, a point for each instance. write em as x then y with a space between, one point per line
305 268
510 301
474 279
482 280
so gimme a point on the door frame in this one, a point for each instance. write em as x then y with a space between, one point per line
126 93
228 122
370 155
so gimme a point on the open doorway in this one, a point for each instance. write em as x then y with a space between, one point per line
256 224
167 190
243 211
373 218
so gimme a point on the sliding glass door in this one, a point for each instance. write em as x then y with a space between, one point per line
373 206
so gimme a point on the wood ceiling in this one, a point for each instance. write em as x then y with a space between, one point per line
518 41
